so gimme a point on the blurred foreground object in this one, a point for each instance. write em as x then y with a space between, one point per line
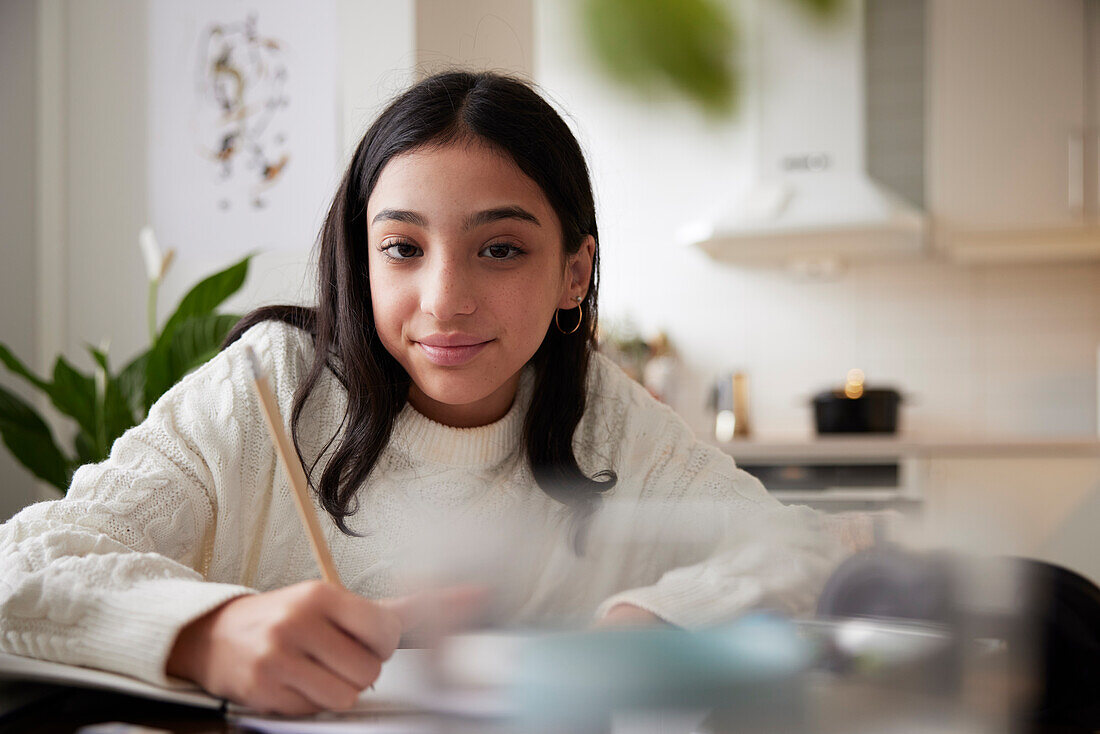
752 664
1026 633
687 46
931 642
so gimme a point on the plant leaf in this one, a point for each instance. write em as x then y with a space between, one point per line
131 383
206 296
86 452
119 414
12 363
192 343
29 439
73 393
98 356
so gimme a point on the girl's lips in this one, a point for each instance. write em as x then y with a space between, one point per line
451 356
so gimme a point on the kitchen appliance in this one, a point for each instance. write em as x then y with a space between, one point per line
840 483
855 408
828 104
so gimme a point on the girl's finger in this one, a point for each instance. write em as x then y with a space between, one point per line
286 701
318 684
368 622
342 654
428 614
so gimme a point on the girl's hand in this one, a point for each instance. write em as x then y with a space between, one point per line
628 615
298 650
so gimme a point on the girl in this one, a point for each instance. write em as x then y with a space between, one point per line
447 372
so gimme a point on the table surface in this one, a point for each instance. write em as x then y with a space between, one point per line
61 710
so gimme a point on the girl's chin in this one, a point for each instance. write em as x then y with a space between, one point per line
453 391
460 398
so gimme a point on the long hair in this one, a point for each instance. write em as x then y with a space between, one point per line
510 116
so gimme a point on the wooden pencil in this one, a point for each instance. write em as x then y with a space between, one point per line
293 467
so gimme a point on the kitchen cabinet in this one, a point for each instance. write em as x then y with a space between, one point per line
836 474
1012 151
1038 498
1045 507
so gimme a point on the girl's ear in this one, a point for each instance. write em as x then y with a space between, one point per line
578 273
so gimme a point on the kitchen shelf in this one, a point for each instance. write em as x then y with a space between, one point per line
1080 244
853 241
870 447
844 495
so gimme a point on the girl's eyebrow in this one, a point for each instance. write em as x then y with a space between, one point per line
400 215
503 212
474 220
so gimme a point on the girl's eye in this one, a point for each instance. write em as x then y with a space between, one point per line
400 250
502 251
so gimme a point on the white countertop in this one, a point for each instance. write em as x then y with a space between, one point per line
905 446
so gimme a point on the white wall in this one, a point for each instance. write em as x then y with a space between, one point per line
105 102
18 181
997 350
478 34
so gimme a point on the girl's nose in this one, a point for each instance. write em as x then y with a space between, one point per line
447 291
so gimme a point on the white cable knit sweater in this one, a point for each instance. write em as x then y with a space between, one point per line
191 510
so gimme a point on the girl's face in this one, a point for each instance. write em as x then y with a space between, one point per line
466 270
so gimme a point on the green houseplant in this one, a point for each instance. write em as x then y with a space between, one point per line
104 404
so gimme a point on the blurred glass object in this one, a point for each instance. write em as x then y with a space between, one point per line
729 399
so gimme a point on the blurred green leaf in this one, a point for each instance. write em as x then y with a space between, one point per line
193 342
29 439
687 45
206 296
823 9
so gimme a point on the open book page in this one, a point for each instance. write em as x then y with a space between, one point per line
362 723
400 688
17 667
415 687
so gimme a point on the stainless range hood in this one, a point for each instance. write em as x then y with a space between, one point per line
812 91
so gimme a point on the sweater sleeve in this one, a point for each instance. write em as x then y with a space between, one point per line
716 543
107 576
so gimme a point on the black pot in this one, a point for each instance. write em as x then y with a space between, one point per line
876 411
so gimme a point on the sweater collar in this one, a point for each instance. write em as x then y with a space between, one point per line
427 440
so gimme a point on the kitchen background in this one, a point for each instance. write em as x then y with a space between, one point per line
993 345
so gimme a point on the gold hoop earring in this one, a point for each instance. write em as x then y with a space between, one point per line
580 317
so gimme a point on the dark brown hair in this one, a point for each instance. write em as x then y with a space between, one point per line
452 107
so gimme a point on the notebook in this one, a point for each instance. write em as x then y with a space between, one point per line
398 689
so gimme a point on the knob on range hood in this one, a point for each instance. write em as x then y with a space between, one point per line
810 197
